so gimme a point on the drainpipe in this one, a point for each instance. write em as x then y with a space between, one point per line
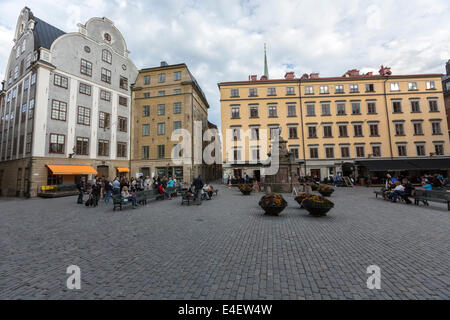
387 117
302 125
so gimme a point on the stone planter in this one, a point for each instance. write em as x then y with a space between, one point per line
299 200
246 193
273 204
318 207
273 211
246 189
326 194
318 212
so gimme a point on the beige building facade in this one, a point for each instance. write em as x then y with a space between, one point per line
165 99
333 124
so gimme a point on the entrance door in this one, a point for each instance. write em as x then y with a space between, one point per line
257 175
316 173
237 173
103 171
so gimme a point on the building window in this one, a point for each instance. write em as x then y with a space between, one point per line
107 37
84 116
326 110
418 129
399 129
420 149
122 125
354 88
33 78
145 130
85 89
415 106
236 134
123 83
272 111
146 79
376 151
177 108
123 101
433 105
293 134
271 91
161 151
327 131
397 106
31 110
57 143
358 130
103 148
292 110
290 91
356 108
439 149
309 90
314 153
256 155
234 93
324 90
310 110
345 152
146 95
106 56
431 85
104 120
371 108
401 150
106 75
28 61
312 132
161 128
161 109
370 87
253 92
121 150
82 148
16 72
412 86
86 68
177 125
28 143
105 95
329 152
177 75
374 130
339 88
254 111
255 134
395 86
145 152
343 131
60 81
162 77
341 109
436 128
161 93
177 91
146 111
360 153
59 110
236 155
274 132
26 84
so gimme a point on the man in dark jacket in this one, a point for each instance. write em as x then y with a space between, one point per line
81 189
409 189
198 185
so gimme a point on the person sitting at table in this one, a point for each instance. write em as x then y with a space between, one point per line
163 192
208 190
129 196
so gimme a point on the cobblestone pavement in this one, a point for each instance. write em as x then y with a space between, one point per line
224 249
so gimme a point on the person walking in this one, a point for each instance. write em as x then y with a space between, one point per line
108 191
198 185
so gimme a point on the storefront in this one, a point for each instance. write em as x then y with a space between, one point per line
123 172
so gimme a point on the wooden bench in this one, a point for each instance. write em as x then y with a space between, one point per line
186 199
119 202
433 196
172 191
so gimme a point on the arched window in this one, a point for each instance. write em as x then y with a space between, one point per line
107 56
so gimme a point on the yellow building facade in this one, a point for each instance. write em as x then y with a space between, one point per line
166 98
332 124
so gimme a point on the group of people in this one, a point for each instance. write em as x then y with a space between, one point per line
199 190
103 188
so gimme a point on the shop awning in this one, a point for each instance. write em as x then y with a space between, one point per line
71 170
123 170
403 165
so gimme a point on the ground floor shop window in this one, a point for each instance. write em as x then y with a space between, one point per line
53 180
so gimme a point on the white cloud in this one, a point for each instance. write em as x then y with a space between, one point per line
223 40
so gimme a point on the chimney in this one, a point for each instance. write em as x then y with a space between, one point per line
289 76
448 67
253 78
314 76
369 74
305 76
164 64
352 73
385 71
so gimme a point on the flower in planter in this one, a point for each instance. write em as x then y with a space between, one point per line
325 190
317 205
314 186
302 196
246 189
273 203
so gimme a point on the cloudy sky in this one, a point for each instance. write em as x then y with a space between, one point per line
223 40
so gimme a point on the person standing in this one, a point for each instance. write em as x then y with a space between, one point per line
198 185
81 189
108 191
116 186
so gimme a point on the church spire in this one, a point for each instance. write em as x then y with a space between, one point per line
266 67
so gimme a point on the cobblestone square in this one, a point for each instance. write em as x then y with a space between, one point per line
224 249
